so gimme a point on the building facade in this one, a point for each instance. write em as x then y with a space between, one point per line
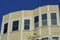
42 23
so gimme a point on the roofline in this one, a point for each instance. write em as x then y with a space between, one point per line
30 10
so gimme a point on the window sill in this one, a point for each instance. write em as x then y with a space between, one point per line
45 26
54 26
26 30
15 31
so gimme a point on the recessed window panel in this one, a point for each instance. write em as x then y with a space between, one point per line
53 19
44 16
27 21
26 24
44 19
44 22
15 25
53 15
5 28
36 21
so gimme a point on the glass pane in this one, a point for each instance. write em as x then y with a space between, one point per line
5 28
44 16
55 38
26 27
36 19
26 24
53 15
36 24
44 22
53 21
44 19
15 25
26 21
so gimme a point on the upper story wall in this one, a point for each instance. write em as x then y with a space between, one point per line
19 15
53 8
36 12
46 9
30 14
16 15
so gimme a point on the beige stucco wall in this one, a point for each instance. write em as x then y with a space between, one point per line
28 13
14 35
44 9
16 15
36 12
4 37
27 34
36 32
53 8
6 18
55 30
44 31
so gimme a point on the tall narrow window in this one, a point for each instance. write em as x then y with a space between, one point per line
55 38
5 28
53 19
36 21
15 25
44 19
26 24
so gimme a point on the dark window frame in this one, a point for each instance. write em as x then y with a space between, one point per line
26 24
15 26
53 19
5 28
44 20
36 21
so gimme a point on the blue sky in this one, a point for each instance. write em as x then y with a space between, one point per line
7 6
